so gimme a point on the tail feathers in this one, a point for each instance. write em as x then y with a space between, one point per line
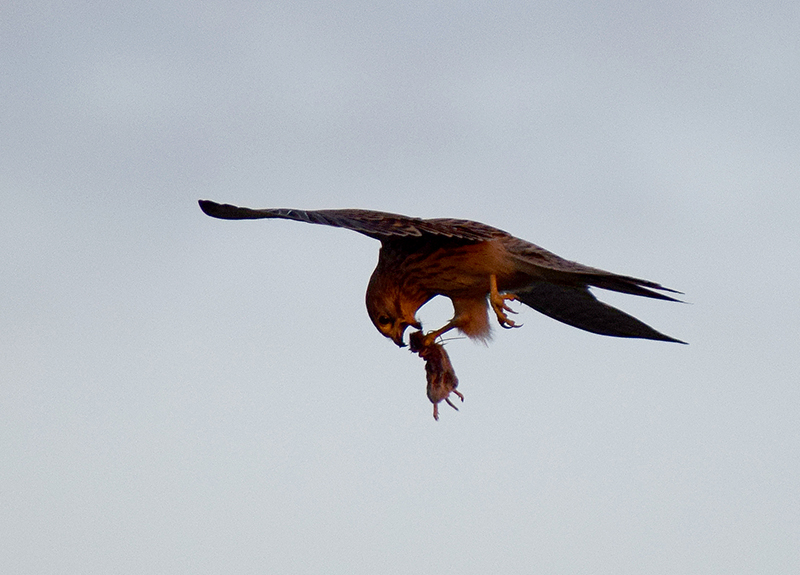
626 284
576 306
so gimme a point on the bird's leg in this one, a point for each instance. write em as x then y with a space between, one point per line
431 337
499 306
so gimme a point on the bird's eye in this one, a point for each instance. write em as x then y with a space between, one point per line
383 320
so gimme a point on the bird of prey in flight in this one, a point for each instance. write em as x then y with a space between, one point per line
475 265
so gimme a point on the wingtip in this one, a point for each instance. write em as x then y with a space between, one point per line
207 206
221 211
651 335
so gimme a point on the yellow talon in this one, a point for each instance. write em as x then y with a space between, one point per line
499 306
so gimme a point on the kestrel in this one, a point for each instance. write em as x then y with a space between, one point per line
475 265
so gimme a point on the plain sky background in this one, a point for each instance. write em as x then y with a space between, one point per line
186 395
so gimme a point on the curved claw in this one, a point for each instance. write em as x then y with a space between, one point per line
501 309
499 305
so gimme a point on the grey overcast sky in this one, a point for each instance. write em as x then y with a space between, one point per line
186 395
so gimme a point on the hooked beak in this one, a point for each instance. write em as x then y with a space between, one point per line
397 338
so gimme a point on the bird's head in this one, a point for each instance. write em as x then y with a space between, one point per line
390 313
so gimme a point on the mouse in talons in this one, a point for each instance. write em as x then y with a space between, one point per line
442 380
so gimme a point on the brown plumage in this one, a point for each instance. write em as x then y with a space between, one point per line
477 267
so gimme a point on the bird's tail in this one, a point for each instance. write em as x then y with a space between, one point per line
576 306
627 284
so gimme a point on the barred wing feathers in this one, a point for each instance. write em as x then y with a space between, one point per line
377 225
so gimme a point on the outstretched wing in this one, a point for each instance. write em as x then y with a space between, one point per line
576 306
377 225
